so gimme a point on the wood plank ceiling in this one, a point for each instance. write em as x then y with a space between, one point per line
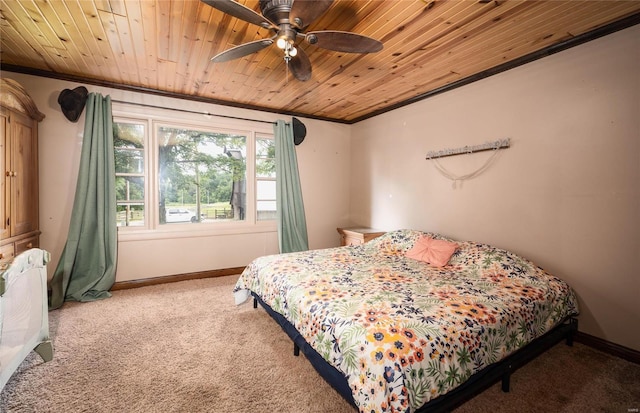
166 46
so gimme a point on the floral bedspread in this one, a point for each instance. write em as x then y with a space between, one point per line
404 332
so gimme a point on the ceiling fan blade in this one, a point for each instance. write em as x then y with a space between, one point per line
300 66
241 50
307 11
240 11
344 41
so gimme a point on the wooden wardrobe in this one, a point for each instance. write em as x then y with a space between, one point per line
19 117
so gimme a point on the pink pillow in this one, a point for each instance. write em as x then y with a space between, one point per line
432 251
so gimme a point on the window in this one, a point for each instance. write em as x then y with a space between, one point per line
265 179
173 175
129 147
203 172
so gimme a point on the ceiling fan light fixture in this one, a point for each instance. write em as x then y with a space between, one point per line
288 21
286 35
281 43
289 52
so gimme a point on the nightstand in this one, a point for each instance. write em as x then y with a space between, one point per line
357 236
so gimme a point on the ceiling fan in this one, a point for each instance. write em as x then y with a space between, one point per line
288 19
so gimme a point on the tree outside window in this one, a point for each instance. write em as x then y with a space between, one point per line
201 175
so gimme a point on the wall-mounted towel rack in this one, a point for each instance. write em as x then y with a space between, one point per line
499 144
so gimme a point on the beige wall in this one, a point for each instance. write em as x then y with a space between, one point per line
323 160
566 194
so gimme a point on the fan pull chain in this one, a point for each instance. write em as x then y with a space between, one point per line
286 72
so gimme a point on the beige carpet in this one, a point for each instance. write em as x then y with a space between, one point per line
185 347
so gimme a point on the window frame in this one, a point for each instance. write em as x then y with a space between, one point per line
258 178
146 169
152 229
249 148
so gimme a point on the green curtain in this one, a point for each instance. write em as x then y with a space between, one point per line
86 270
292 224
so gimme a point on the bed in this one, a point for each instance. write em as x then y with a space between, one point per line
412 320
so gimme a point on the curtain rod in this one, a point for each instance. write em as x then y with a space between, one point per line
192 111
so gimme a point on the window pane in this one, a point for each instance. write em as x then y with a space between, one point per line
266 190
128 141
129 161
265 200
130 215
266 210
265 148
128 135
265 168
129 188
265 158
202 173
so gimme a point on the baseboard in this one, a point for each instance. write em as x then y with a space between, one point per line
608 347
124 285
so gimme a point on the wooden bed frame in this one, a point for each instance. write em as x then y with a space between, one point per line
500 371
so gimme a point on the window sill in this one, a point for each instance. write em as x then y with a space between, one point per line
193 231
